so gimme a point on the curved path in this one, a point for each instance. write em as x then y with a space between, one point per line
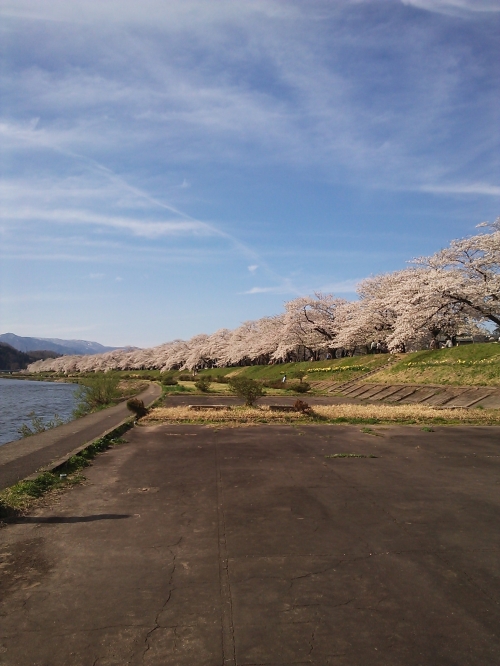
23 457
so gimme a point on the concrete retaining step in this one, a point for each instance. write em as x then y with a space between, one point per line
437 396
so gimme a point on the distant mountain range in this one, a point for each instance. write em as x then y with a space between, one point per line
80 347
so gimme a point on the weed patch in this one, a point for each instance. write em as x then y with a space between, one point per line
350 455
370 431
38 425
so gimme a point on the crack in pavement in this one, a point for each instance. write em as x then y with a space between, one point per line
228 644
157 624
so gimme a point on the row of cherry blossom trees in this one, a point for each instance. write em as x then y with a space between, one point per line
456 290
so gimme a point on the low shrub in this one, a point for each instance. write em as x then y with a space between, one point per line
302 407
169 380
96 392
303 387
38 425
220 379
248 389
299 374
185 378
137 407
274 384
203 383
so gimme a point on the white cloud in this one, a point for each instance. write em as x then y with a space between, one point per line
135 226
464 188
253 268
157 99
460 7
176 14
285 288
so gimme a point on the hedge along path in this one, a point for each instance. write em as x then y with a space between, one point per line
345 413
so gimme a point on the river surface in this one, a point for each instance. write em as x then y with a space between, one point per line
19 397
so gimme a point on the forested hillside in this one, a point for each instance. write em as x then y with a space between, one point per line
11 359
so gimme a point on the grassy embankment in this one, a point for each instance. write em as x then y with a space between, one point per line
467 365
337 370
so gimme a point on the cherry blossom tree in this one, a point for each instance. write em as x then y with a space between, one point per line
467 274
453 291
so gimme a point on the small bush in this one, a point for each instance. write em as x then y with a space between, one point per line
95 393
38 425
185 378
137 407
303 407
169 380
303 387
203 383
248 389
278 384
220 379
299 374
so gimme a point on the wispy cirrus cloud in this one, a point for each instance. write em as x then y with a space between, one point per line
455 7
464 188
195 140
137 227
280 94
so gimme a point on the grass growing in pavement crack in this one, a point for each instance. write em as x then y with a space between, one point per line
370 431
350 455
20 497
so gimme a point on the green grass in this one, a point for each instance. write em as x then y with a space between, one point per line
467 365
337 370
349 455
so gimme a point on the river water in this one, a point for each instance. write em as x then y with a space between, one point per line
19 397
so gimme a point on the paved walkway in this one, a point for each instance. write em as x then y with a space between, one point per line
191 546
24 457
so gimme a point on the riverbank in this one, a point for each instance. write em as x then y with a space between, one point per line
21 458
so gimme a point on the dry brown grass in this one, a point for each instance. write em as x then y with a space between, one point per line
131 387
326 414
240 415
409 414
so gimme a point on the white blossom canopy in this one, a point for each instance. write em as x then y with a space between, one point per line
453 291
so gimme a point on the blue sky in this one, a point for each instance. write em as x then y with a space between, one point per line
171 168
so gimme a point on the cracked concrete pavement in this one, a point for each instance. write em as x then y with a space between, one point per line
192 545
